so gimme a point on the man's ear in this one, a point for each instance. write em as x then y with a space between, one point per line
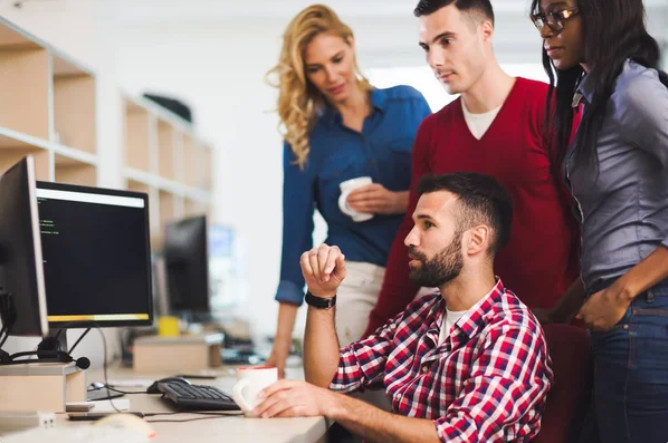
478 240
487 30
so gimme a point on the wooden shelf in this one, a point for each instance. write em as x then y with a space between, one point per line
24 88
195 207
75 172
47 109
167 148
190 161
12 152
205 166
153 205
74 106
138 133
166 159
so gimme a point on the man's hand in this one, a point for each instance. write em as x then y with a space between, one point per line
324 269
290 398
375 199
605 308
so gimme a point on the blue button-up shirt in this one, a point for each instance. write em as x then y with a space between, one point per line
624 209
382 151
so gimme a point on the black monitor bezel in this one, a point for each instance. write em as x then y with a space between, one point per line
118 193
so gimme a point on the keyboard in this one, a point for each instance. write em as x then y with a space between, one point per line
202 398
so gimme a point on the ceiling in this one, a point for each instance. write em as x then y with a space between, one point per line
137 11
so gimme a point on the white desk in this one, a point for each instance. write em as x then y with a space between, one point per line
214 430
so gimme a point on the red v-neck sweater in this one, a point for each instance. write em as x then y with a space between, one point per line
541 259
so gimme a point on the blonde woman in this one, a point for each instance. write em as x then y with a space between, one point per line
338 127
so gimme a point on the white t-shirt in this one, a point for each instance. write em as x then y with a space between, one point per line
479 123
449 320
452 317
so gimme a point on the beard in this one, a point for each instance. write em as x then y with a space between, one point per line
444 267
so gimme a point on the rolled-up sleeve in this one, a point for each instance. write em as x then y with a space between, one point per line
362 363
298 210
510 376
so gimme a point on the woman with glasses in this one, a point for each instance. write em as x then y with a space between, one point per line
599 55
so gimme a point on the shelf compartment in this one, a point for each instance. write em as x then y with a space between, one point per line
153 205
204 159
195 208
138 138
24 88
74 172
74 95
167 150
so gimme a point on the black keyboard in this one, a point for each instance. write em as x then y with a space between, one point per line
202 398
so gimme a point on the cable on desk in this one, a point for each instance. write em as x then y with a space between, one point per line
106 379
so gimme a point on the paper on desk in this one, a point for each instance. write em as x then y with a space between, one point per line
131 383
104 406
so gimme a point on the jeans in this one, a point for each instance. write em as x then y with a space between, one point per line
631 372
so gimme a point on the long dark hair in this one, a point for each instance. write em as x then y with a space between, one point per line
613 32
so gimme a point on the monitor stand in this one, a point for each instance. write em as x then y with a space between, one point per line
52 349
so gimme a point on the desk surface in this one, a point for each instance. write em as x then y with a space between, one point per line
219 429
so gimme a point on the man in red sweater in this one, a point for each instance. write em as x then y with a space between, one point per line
495 127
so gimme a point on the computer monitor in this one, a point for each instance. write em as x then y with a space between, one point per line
187 267
22 293
97 256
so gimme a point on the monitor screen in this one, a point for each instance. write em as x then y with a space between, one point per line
187 266
96 251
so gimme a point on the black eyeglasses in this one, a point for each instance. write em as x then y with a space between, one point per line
554 20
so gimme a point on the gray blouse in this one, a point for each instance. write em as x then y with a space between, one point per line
624 209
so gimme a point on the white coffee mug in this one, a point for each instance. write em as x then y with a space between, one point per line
346 188
252 380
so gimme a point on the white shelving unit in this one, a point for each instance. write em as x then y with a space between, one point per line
47 109
165 158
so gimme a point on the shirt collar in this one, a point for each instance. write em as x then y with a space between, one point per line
378 103
586 86
474 318
586 89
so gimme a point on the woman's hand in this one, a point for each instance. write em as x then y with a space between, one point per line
375 199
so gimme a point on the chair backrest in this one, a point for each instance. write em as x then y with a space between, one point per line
569 399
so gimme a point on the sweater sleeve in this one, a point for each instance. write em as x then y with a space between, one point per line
397 290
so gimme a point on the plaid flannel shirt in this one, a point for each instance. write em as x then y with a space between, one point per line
486 383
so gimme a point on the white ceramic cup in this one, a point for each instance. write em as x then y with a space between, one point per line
251 380
346 188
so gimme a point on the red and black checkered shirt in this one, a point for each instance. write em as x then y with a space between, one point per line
486 383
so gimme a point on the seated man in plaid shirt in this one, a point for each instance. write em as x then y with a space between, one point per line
466 364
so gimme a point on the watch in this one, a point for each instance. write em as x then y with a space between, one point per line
320 303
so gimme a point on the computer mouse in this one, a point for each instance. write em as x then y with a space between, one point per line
127 421
95 385
153 389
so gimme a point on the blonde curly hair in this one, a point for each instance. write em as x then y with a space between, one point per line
298 100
